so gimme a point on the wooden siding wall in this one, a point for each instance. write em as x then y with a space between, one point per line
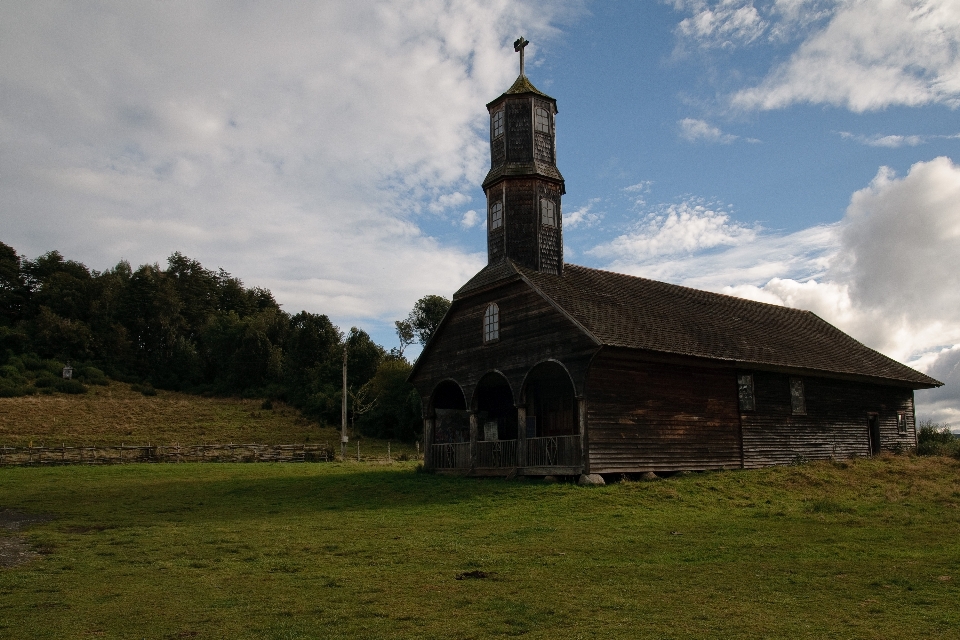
834 426
519 132
649 416
531 331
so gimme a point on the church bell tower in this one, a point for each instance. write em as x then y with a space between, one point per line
523 186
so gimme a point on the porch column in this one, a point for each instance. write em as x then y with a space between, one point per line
582 423
473 439
521 436
428 443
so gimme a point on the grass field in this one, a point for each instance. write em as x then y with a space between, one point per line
114 414
865 549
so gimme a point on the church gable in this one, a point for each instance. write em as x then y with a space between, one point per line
529 330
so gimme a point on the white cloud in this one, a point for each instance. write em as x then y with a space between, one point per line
296 144
470 219
641 187
723 24
943 404
871 54
675 229
886 274
694 130
582 217
894 141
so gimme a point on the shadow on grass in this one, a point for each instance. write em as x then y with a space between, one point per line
148 495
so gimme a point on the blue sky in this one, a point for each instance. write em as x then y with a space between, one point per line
801 152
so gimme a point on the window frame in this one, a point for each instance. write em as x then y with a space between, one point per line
496 215
548 205
496 124
798 409
538 119
745 383
491 323
902 423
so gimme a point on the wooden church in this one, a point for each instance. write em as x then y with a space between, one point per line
545 368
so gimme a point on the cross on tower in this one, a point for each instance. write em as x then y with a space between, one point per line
518 45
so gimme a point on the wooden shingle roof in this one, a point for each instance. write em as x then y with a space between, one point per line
626 311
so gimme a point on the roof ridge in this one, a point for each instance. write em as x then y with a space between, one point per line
694 290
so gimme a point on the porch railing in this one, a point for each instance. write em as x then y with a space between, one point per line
553 451
451 455
496 454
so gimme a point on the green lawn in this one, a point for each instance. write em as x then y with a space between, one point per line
867 549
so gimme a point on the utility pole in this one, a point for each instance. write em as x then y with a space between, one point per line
343 408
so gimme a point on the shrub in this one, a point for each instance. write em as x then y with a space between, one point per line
145 389
92 375
935 439
53 366
45 380
70 386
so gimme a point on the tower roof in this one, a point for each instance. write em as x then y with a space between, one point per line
521 85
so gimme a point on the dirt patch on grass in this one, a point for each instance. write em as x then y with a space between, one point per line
14 550
12 520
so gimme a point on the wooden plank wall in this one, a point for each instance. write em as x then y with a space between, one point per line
835 424
649 416
531 331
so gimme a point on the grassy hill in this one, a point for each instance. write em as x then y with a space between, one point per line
115 414
859 549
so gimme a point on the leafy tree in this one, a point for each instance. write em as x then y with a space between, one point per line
396 407
424 319
406 335
13 286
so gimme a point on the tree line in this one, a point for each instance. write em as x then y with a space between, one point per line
192 329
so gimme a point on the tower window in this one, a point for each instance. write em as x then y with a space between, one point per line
496 215
548 213
491 323
541 120
496 126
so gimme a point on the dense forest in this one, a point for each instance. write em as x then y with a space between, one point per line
192 329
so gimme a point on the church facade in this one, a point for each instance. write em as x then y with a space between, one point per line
546 368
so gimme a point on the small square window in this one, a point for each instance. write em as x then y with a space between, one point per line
798 401
745 392
496 215
548 213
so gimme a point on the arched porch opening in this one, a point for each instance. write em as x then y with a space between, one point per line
493 401
550 401
449 408
448 395
552 430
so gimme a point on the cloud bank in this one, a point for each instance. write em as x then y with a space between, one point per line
300 145
862 56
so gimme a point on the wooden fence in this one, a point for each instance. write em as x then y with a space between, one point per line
24 456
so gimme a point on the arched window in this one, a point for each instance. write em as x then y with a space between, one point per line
542 120
496 215
496 124
491 323
548 213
